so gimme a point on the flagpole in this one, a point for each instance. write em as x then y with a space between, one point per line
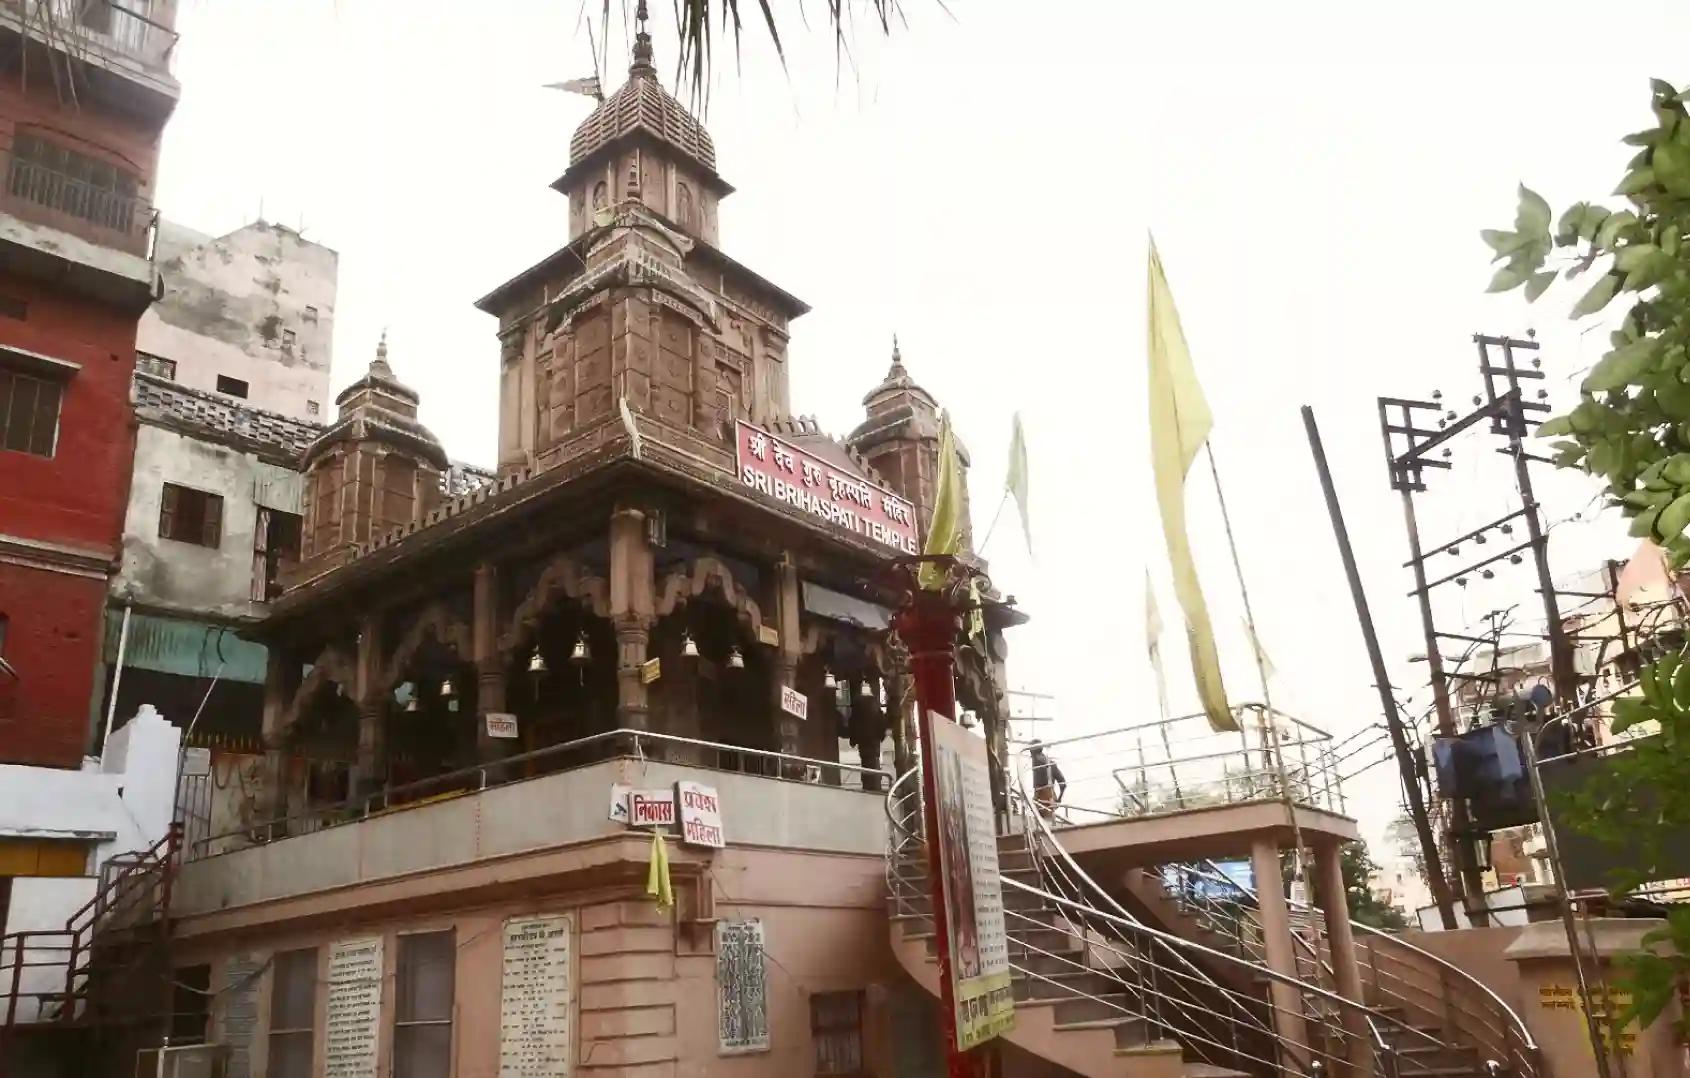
1003 501
1270 734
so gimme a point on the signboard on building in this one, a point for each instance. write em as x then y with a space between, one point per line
354 1008
794 702
650 671
534 998
701 814
742 997
778 470
968 876
501 724
196 762
651 808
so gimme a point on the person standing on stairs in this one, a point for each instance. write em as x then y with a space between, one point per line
1049 784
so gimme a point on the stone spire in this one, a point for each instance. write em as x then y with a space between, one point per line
379 367
642 66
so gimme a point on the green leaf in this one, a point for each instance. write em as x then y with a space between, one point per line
1636 180
1560 426
1507 277
1681 686
1610 230
1672 167
1621 367
1635 256
1642 138
1538 284
1643 525
1598 296
1630 711
1503 243
1532 218
1674 518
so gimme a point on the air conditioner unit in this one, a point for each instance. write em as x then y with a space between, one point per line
183 1061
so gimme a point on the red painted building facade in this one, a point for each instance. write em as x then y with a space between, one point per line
80 126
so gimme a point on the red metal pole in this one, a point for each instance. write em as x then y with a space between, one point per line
928 625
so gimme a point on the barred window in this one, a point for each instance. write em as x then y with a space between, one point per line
836 1028
29 413
59 178
422 1016
190 516
293 1012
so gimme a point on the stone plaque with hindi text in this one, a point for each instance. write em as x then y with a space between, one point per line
534 1000
354 1020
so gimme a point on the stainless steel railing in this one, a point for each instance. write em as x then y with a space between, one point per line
565 756
76 26
1181 763
1063 941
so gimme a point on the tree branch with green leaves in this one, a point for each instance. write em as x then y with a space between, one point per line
1631 427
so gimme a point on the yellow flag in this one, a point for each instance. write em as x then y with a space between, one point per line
944 531
1262 660
1153 639
657 884
1016 480
1179 423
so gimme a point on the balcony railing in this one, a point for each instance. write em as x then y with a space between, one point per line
97 214
566 756
79 26
1180 763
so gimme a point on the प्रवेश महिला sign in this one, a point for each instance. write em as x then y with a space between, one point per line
777 469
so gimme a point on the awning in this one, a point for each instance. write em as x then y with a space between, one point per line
187 648
837 606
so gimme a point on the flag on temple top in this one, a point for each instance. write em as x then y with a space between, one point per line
1179 424
1016 480
588 87
657 884
944 530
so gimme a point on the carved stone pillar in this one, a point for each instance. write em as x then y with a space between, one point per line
788 732
489 669
371 770
632 600
278 695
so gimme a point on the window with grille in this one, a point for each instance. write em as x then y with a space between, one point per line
190 516
422 1015
836 1028
157 366
48 174
29 413
293 1011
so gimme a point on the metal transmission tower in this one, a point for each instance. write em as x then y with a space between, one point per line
1417 435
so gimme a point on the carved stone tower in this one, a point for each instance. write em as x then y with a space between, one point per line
900 438
377 468
640 306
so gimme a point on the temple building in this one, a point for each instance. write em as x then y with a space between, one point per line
675 584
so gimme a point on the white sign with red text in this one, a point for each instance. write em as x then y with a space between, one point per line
701 815
651 808
794 702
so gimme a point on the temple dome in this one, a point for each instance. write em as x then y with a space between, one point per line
642 107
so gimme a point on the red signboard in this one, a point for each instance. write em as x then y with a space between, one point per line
777 469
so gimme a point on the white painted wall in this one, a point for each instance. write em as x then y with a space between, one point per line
127 794
184 576
228 303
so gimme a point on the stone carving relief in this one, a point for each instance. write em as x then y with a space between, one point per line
690 581
563 577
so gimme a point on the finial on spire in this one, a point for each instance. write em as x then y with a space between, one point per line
642 43
897 370
380 368
381 345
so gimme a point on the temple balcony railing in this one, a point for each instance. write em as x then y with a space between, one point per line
550 798
1180 763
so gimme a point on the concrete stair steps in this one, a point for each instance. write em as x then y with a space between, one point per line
1210 1070
1064 985
1129 1032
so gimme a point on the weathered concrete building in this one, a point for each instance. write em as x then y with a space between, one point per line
248 315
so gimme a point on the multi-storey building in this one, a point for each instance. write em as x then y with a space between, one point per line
85 91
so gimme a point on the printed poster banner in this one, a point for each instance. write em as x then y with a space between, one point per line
968 866
534 998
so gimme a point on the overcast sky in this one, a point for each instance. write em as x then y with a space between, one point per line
981 183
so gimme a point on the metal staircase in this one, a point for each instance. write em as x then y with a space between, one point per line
1101 990
105 970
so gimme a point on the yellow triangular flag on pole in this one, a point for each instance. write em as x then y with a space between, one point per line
657 884
944 531
1262 660
1179 423
1015 481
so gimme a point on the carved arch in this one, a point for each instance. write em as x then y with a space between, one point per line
435 621
683 584
333 663
563 576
